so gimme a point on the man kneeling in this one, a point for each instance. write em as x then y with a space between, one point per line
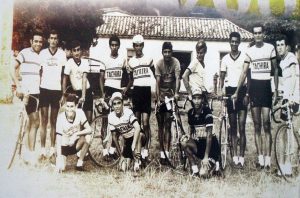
202 144
72 134
122 121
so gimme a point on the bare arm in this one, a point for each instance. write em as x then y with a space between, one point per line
208 141
222 78
274 65
242 76
101 83
115 139
16 78
186 80
84 82
158 88
137 130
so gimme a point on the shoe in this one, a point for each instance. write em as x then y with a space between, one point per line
79 168
52 159
163 161
259 166
267 168
196 175
42 158
114 156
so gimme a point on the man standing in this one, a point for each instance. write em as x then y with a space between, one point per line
53 59
167 73
28 67
261 59
231 65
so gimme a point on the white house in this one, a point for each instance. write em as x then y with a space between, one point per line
183 32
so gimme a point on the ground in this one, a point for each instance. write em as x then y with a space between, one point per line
42 181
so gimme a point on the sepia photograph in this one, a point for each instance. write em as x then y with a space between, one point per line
150 98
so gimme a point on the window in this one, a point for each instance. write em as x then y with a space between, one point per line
184 58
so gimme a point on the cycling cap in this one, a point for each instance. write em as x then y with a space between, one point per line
199 91
137 39
116 95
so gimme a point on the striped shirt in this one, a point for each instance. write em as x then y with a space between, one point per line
113 71
30 68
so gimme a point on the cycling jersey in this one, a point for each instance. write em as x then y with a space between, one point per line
30 66
288 65
199 122
52 67
124 124
233 68
168 75
65 127
75 71
113 71
260 61
141 70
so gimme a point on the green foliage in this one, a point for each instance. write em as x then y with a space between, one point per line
277 7
206 3
254 8
232 4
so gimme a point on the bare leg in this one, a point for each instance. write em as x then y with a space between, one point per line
256 116
53 118
242 130
146 127
233 131
43 128
34 125
267 130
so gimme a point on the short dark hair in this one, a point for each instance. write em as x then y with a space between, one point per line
282 37
167 45
53 31
258 25
235 34
114 38
37 33
201 45
72 98
75 44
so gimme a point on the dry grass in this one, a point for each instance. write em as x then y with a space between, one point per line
42 181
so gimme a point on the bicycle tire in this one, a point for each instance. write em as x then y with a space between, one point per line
176 159
293 152
19 140
223 141
100 141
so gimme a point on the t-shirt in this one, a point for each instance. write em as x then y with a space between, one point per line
64 126
199 122
168 74
288 65
260 61
124 124
198 76
233 68
113 71
30 66
75 71
141 70
52 66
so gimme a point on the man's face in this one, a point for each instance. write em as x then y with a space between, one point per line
53 40
114 47
37 43
138 47
200 54
234 44
281 47
258 34
118 106
167 53
70 108
197 100
76 52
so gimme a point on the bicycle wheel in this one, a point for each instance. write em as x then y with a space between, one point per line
223 141
287 151
19 140
101 142
176 158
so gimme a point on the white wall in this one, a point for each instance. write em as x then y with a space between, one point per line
153 48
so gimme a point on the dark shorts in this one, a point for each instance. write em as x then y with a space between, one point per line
88 103
49 98
214 150
94 80
260 93
69 150
141 99
239 103
32 105
109 91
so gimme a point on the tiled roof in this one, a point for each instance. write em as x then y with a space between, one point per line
168 27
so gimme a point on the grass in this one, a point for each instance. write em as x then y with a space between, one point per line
158 181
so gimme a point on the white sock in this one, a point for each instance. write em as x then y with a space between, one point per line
136 166
195 169
105 152
167 154
261 160
242 160
146 152
267 161
111 150
162 155
217 166
52 150
288 168
79 162
235 159
43 151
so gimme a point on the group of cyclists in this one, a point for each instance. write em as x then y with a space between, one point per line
45 75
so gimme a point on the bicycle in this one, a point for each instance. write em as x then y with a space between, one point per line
23 119
225 138
176 158
286 145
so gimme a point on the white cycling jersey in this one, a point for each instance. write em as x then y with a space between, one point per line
30 66
113 71
52 65
124 124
